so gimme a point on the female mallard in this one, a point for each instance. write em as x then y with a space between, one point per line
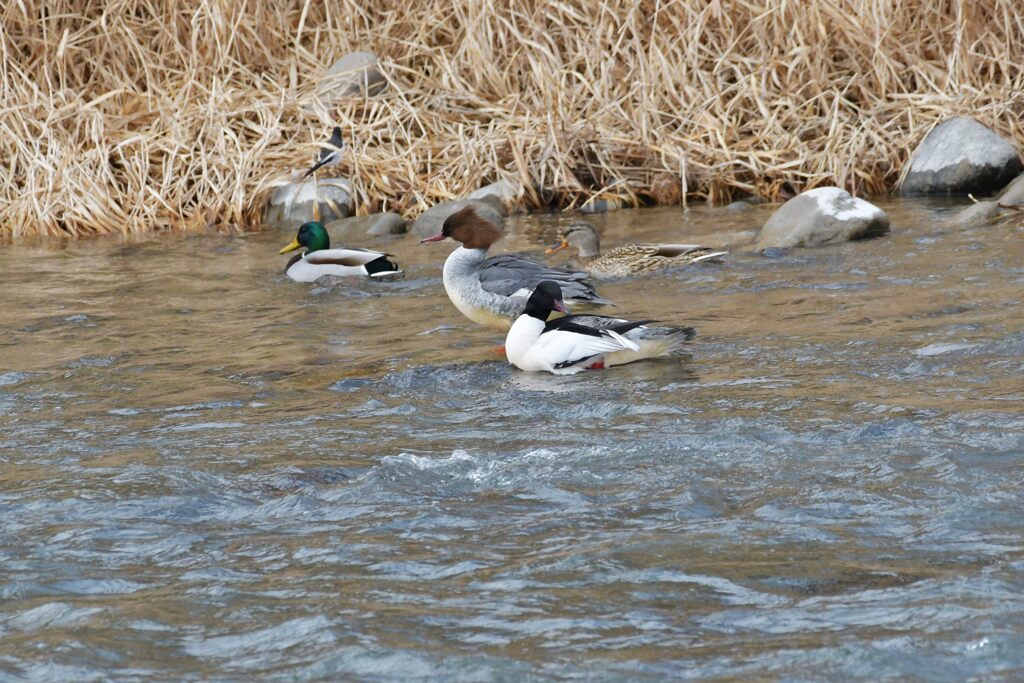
629 259
319 259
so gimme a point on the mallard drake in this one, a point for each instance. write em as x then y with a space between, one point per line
492 291
565 346
628 259
319 259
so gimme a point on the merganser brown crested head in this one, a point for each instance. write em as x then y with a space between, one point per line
468 227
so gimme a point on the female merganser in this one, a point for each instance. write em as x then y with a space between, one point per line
629 259
319 259
492 291
565 346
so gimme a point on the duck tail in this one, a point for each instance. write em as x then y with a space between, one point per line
381 267
665 341
710 256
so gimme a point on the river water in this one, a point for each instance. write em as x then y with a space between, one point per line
209 471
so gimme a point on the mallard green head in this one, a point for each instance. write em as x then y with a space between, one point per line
312 236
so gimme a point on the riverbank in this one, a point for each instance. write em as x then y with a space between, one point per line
186 115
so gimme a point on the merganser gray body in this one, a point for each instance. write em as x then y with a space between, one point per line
493 291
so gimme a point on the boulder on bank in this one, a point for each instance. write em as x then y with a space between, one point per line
826 215
357 73
430 221
293 203
961 156
507 191
374 225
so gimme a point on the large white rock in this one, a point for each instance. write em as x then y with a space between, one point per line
825 215
961 156
292 203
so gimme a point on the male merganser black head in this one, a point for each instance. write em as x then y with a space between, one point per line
582 236
468 227
546 297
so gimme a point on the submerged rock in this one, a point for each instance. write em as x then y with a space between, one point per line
961 156
293 203
826 215
357 73
975 216
430 221
1013 194
724 240
739 205
374 225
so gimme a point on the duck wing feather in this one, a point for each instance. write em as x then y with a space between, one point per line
510 274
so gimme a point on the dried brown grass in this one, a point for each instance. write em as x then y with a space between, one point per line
128 115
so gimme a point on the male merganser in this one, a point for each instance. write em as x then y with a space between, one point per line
330 154
319 259
565 346
628 259
492 291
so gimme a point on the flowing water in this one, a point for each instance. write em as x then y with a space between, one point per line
209 471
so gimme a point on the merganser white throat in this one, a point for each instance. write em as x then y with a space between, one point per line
493 291
565 346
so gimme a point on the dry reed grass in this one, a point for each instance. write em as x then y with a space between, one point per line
128 115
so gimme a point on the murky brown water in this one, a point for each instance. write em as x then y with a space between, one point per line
210 471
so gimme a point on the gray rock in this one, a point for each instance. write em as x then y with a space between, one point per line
739 206
826 215
1013 194
357 73
602 205
430 221
975 216
507 191
374 225
960 156
723 240
292 204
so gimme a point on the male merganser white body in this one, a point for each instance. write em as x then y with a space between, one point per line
565 346
320 260
628 259
492 291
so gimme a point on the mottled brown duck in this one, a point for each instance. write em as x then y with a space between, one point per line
628 259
